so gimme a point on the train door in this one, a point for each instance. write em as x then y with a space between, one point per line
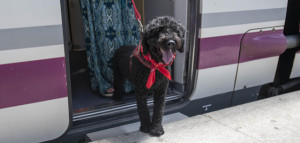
259 54
260 49
34 104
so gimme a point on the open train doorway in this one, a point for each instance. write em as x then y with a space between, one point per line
85 20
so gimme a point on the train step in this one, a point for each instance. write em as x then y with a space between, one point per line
121 130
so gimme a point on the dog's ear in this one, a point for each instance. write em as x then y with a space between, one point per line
181 39
144 38
148 41
180 30
145 45
180 47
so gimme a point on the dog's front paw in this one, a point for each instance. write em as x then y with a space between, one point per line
144 129
156 130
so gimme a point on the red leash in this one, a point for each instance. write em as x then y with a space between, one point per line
137 16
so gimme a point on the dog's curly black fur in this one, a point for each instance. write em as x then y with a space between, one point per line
158 34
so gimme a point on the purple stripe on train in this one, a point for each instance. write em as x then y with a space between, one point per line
34 81
224 50
218 51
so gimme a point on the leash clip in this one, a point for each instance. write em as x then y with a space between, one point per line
141 27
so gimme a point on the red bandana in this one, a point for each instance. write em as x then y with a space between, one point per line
155 66
147 61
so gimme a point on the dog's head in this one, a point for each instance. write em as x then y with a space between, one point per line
162 36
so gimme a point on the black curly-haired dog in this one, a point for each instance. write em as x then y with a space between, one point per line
162 36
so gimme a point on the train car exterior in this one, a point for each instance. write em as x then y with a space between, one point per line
232 49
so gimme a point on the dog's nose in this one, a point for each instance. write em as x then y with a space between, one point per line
171 43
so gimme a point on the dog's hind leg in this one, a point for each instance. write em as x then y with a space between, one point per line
118 82
118 86
141 99
156 127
